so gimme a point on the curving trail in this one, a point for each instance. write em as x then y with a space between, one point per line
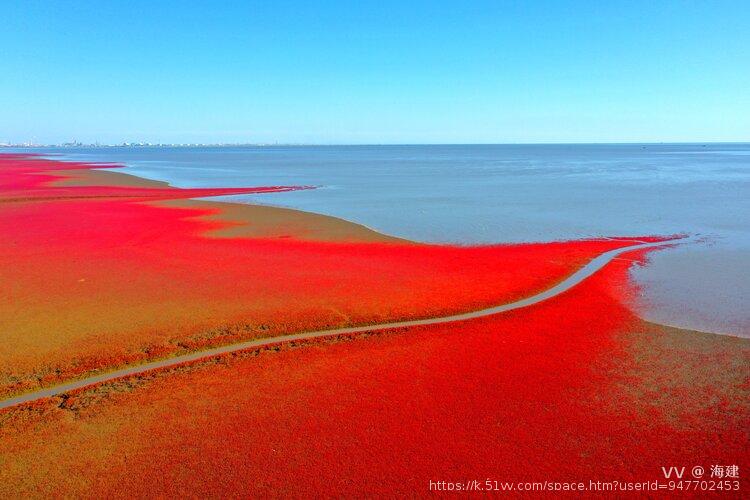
589 269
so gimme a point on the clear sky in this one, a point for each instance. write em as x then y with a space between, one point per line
375 72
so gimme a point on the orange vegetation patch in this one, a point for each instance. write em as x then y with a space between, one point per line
571 389
98 276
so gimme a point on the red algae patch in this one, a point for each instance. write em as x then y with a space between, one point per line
27 178
97 276
560 391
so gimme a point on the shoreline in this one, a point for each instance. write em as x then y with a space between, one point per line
156 284
245 223
236 216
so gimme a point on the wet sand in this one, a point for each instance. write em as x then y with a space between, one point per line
705 287
238 219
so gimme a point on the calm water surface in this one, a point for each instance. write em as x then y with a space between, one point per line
515 193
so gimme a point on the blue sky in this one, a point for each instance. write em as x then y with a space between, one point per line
375 72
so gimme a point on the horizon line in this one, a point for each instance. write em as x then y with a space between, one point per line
147 144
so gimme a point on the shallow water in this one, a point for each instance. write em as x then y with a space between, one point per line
515 193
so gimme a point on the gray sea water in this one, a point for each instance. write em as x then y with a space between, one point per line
471 194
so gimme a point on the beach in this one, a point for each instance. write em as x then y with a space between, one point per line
107 271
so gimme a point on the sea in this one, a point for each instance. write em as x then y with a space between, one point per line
485 194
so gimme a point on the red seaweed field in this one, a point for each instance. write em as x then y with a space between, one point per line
573 389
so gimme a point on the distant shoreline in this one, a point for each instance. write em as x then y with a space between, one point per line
396 144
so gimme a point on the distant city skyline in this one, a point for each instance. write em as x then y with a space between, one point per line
145 144
375 73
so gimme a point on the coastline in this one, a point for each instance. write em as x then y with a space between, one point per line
268 221
239 219
154 286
